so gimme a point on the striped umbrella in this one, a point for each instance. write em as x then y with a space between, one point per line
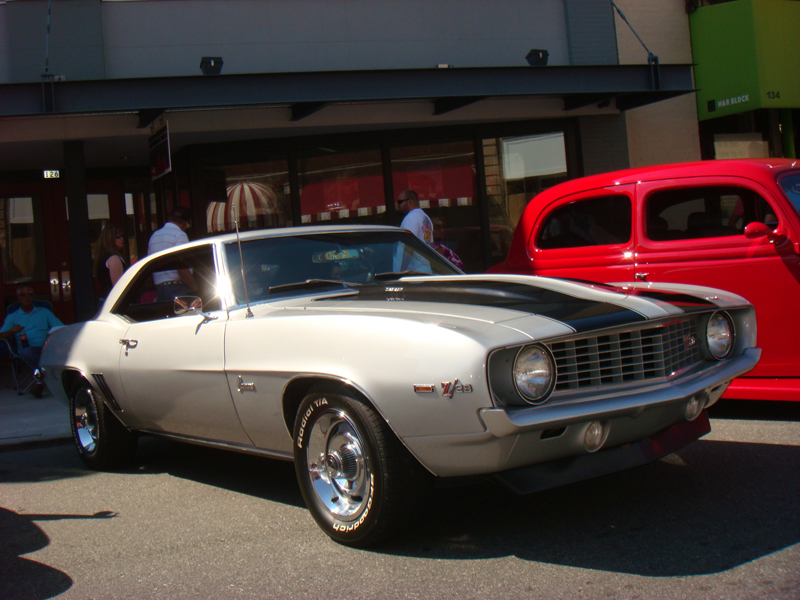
255 205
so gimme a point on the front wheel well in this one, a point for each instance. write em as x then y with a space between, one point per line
68 379
301 387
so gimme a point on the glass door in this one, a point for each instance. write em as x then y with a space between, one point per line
34 245
34 238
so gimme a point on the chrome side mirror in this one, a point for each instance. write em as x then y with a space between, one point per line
191 304
185 304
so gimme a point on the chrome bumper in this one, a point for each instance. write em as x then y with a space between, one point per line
712 382
541 434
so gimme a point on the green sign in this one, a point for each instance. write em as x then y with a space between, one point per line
747 56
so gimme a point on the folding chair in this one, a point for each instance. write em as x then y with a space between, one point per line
9 347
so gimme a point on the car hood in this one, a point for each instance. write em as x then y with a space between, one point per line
505 299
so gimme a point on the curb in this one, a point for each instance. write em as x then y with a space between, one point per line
34 444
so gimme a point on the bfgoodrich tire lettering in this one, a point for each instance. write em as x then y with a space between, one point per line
352 471
101 440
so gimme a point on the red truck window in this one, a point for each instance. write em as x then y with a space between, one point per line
705 212
595 222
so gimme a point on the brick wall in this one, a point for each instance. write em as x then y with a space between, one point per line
604 143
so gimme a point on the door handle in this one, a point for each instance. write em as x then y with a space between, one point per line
55 286
641 276
129 344
66 286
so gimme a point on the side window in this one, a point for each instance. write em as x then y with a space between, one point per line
705 212
596 222
139 302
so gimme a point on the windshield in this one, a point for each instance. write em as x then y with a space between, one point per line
791 187
277 267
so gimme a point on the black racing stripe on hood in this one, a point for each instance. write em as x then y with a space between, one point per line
686 302
580 314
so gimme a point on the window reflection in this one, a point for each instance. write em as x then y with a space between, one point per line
342 186
22 240
518 168
257 195
130 225
97 205
443 176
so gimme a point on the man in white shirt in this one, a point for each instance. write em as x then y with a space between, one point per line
418 223
175 282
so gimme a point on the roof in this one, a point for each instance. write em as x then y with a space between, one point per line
754 168
280 232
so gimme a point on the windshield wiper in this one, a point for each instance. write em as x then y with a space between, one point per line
397 274
311 283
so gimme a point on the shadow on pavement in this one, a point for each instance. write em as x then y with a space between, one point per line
242 473
710 507
48 462
755 410
24 579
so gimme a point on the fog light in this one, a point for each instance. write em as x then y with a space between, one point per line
694 407
595 436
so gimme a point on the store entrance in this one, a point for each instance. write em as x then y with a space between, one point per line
34 238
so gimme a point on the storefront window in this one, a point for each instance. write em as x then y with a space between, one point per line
22 240
130 226
342 187
517 169
443 176
153 212
98 217
256 195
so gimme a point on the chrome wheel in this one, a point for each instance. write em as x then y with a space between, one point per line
84 416
338 466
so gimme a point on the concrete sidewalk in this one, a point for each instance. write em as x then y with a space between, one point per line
25 420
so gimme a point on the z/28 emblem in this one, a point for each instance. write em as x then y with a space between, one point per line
448 388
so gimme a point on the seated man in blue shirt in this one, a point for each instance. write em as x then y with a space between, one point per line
35 323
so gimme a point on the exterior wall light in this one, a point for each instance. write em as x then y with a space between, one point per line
211 65
537 58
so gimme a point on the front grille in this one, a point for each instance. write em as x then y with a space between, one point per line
629 356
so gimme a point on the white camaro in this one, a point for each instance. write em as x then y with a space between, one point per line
374 364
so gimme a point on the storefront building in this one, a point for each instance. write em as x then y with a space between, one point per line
289 113
747 57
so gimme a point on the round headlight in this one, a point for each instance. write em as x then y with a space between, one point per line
534 373
719 335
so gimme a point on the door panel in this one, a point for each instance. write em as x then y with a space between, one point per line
764 272
173 376
586 236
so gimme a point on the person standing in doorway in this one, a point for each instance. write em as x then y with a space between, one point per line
175 282
109 264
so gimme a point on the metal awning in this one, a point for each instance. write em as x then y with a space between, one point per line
627 86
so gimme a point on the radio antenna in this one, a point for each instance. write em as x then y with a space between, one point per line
249 312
